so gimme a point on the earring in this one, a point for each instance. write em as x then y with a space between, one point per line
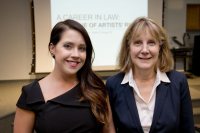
52 55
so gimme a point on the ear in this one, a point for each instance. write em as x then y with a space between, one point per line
52 48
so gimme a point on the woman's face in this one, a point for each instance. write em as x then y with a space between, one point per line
144 51
70 52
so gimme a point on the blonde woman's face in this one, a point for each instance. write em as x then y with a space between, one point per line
144 51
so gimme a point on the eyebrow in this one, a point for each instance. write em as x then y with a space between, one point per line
71 43
83 44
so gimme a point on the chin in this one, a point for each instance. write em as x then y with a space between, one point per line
71 71
143 67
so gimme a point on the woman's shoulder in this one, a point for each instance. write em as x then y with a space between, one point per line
30 94
32 85
116 78
175 75
177 79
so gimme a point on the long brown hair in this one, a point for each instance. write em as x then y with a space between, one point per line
92 87
165 60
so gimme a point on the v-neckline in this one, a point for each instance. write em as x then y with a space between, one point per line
56 97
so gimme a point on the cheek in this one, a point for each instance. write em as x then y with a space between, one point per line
133 52
157 52
84 56
133 55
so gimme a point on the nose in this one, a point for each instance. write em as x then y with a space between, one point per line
75 53
144 48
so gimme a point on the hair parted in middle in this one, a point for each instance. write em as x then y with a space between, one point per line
142 24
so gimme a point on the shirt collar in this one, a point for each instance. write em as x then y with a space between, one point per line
160 76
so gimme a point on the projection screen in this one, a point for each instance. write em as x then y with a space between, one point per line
105 21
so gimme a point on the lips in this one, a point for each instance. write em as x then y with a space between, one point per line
73 63
144 58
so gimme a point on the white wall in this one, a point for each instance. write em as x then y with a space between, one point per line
15 39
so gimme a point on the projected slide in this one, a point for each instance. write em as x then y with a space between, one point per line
105 21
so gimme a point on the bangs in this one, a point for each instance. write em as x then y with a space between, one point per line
146 26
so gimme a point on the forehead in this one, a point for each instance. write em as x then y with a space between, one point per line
72 35
143 34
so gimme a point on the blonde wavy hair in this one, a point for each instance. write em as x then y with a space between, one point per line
141 24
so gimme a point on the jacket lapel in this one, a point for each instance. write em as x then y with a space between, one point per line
129 96
161 92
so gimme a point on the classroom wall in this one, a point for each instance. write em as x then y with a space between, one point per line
16 39
175 17
175 24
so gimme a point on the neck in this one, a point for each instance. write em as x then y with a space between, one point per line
144 75
63 78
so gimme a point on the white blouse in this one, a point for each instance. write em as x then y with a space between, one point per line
145 109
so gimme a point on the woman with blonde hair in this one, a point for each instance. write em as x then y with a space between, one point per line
147 96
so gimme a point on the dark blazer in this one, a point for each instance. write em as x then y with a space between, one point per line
173 109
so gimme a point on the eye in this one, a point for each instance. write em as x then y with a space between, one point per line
82 48
151 43
67 46
137 43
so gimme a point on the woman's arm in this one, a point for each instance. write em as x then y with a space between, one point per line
24 121
186 114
